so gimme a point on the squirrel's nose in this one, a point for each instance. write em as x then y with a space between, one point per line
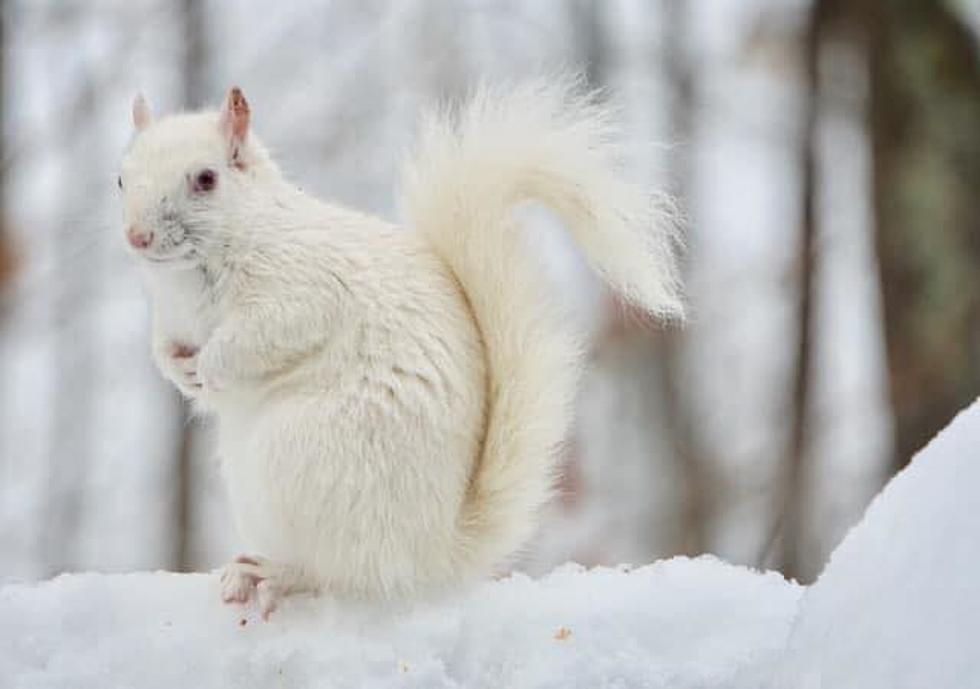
138 238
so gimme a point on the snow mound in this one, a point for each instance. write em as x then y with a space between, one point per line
898 606
677 623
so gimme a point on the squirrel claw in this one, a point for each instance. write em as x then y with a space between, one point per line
236 585
268 595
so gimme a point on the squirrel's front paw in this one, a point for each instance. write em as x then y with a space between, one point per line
208 369
182 366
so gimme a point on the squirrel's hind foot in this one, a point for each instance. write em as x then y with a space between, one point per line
252 577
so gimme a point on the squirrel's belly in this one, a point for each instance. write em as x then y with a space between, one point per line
363 492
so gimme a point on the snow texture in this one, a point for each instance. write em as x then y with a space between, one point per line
897 607
676 623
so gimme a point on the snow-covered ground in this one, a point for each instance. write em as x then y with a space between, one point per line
898 606
676 623
899 603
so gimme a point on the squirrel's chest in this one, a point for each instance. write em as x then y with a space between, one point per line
182 306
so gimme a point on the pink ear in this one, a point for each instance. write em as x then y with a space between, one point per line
233 121
141 113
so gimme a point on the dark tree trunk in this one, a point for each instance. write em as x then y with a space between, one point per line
794 533
925 118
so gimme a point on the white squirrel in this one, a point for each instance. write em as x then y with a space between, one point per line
389 401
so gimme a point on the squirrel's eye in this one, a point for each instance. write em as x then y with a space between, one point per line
205 180
119 181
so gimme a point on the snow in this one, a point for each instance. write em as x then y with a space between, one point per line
898 606
899 603
679 622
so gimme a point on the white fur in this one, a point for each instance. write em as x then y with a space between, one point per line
389 400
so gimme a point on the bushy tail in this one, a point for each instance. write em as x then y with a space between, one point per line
549 143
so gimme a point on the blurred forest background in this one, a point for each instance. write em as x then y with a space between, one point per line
826 154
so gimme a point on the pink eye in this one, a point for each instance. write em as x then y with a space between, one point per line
205 181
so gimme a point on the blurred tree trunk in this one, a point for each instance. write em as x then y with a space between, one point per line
196 68
587 36
680 422
440 50
925 119
794 534
74 352
628 335
6 243
589 31
195 73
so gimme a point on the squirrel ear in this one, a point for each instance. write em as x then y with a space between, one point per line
233 122
141 113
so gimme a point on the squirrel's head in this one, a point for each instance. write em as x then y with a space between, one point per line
185 177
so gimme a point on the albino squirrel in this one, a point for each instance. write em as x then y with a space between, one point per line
389 401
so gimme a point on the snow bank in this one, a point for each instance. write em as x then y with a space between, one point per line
677 623
897 607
